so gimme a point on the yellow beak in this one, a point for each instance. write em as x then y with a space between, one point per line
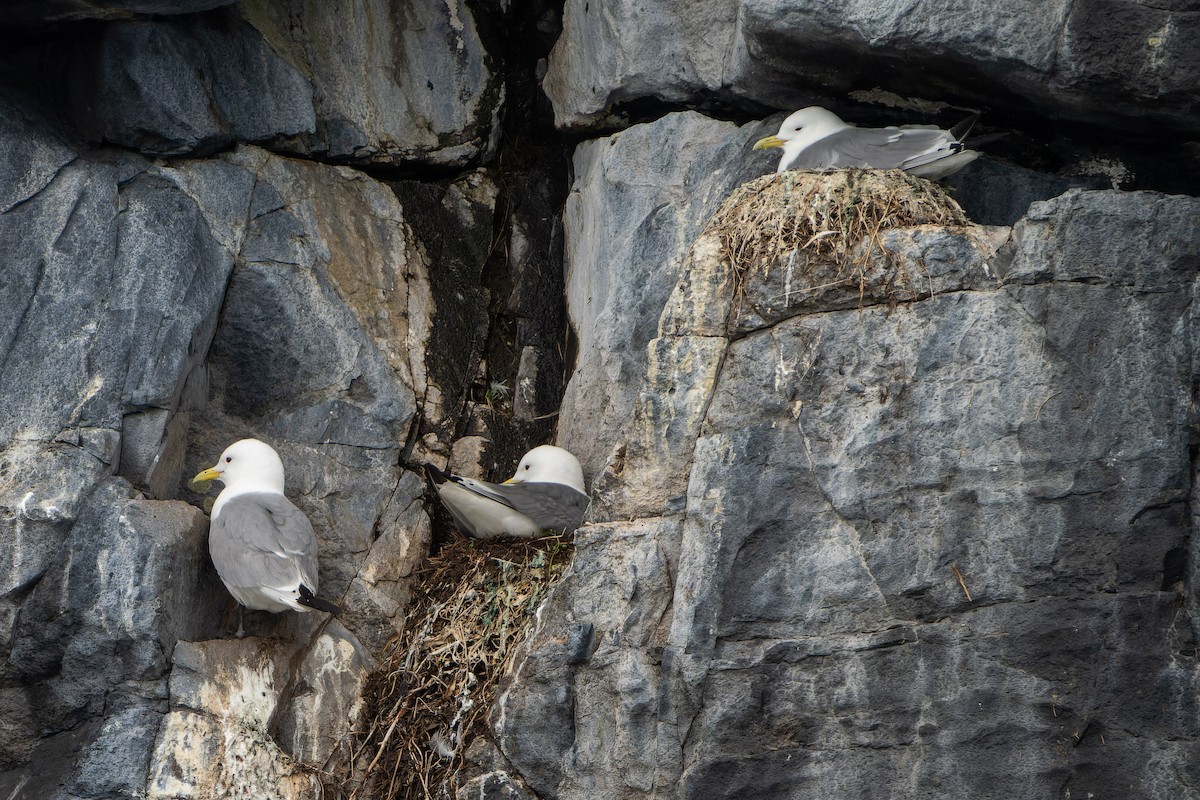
210 474
768 142
512 480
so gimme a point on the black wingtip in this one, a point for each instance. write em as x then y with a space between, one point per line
307 598
964 127
436 475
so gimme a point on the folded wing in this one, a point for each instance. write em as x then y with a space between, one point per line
264 549
878 148
554 506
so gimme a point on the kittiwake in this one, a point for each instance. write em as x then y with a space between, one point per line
546 493
814 138
263 547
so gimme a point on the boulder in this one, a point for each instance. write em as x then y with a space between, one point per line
1120 61
216 740
85 678
297 77
196 86
33 14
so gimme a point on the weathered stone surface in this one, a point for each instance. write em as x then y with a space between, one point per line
995 193
193 86
492 786
1099 59
315 297
603 57
115 283
639 198
433 51
244 720
299 77
551 723
453 224
198 757
103 299
92 639
325 699
216 740
33 13
906 547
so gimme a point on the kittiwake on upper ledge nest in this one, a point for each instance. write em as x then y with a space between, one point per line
817 139
263 547
545 494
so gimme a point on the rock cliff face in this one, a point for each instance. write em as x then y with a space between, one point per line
840 544
919 547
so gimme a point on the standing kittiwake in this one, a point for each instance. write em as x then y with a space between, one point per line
263 547
813 138
546 493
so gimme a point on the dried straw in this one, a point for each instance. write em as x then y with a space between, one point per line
825 218
472 606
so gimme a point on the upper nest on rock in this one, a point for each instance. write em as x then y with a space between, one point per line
831 218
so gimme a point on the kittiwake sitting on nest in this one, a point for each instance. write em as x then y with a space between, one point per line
546 493
263 547
813 138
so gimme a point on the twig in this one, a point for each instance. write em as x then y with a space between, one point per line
961 582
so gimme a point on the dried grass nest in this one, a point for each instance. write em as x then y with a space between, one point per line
834 217
471 607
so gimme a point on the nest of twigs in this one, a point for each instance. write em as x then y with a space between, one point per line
471 607
834 218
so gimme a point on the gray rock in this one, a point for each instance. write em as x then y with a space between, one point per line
453 225
297 77
115 283
433 51
304 355
552 720
36 13
904 547
639 197
325 696
200 756
492 786
620 52
92 637
168 88
379 592
116 762
284 699
215 742
122 274
31 154
1097 61
142 323
994 193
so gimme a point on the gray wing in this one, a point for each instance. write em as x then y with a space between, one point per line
263 540
877 148
554 506
485 489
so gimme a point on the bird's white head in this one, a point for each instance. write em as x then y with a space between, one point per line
549 464
799 130
247 466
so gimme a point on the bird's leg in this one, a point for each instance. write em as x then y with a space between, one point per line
241 610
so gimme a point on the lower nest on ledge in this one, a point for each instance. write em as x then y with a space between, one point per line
472 606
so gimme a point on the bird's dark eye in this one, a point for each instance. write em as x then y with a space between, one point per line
527 468
799 128
228 459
